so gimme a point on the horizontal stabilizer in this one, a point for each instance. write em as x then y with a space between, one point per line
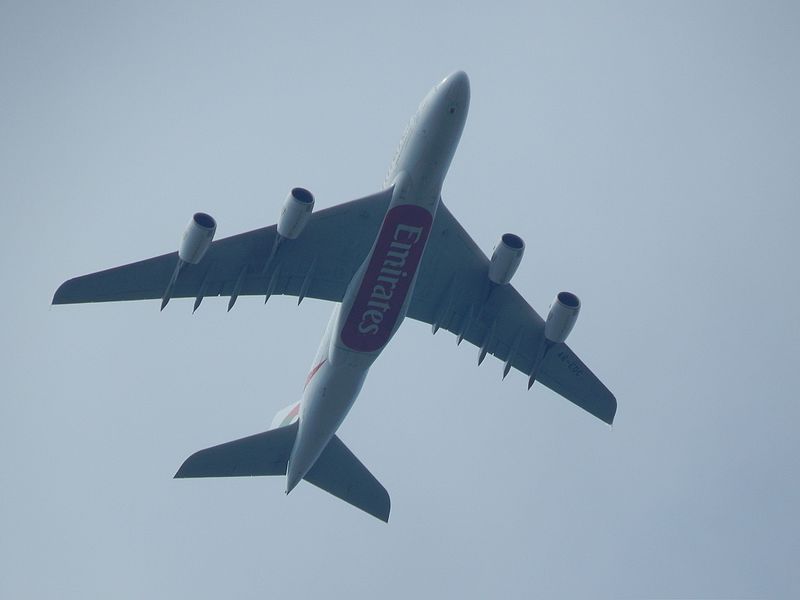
260 454
337 470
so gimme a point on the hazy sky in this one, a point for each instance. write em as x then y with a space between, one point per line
648 153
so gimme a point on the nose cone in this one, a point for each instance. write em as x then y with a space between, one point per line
456 88
457 80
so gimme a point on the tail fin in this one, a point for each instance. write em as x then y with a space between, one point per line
337 470
286 416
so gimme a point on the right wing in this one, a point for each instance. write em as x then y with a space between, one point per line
318 264
453 292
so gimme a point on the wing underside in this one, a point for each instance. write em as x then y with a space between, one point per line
318 264
453 292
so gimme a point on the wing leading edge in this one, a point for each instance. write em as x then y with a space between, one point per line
453 292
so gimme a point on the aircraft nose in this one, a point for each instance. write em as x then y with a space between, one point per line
457 87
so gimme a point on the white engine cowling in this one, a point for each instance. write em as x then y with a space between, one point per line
506 258
197 238
562 316
296 212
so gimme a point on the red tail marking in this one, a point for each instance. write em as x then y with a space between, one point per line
313 372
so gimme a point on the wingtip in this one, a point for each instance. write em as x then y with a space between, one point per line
60 293
608 417
613 412
181 472
192 467
384 515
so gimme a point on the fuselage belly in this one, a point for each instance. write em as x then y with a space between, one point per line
378 296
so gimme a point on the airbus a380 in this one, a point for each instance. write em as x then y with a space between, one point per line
404 254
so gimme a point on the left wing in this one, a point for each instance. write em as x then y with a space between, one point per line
318 264
453 292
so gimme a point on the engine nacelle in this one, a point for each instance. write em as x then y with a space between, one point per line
562 316
506 258
197 238
296 213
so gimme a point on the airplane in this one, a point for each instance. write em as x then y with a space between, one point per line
396 253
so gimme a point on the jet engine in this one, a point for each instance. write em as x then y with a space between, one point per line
197 238
296 213
506 258
562 316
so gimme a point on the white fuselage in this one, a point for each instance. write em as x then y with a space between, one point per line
378 296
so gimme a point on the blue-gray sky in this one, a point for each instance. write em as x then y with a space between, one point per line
649 154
